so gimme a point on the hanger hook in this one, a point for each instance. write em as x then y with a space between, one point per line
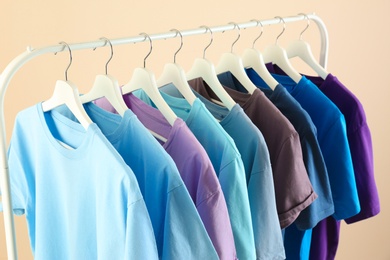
181 43
70 58
151 46
307 25
211 39
239 34
261 32
284 28
112 50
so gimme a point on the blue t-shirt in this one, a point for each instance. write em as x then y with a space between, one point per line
195 169
179 231
254 153
80 198
332 138
227 164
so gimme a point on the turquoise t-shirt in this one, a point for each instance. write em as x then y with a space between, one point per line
227 164
178 228
80 198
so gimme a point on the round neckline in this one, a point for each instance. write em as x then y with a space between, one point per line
75 153
151 118
121 123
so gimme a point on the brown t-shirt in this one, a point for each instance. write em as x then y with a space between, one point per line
293 189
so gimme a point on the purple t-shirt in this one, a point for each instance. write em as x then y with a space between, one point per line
194 167
326 235
359 138
293 189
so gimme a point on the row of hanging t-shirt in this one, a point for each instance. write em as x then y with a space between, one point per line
269 176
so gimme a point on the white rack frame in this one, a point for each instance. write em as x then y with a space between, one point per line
30 53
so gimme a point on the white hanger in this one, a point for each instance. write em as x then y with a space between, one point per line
144 79
173 73
277 55
300 48
108 87
233 63
252 58
205 69
65 92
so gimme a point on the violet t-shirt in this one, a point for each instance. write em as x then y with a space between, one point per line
359 139
326 235
194 167
293 189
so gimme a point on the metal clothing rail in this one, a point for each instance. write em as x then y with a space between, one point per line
23 58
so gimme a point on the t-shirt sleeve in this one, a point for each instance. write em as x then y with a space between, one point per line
362 158
293 189
233 183
323 206
140 240
266 227
215 216
185 236
18 181
338 160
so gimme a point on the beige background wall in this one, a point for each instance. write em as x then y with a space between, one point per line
359 54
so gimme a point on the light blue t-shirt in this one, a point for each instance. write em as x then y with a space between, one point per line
178 228
255 156
81 201
227 164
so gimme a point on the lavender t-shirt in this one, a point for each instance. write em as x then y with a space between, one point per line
227 163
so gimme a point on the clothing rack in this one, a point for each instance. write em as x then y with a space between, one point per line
31 53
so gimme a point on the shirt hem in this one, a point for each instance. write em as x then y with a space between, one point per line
287 218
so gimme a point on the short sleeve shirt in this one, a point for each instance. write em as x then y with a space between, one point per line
314 162
195 169
179 231
227 164
360 143
254 153
58 171
331 130
293 189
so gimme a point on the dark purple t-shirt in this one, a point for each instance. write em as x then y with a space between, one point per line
293 189
359 138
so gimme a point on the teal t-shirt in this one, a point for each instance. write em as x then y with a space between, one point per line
255 156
